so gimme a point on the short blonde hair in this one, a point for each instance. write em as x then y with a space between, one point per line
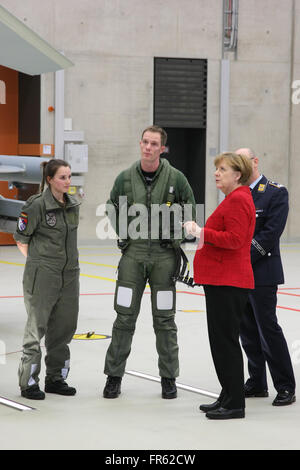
237 163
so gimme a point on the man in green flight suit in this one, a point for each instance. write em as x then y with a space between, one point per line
150 184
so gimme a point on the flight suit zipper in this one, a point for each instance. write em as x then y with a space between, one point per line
66 238
149 217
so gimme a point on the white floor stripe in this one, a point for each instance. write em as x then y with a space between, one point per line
182 386
15 405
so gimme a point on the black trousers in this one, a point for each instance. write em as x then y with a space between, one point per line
225 306
264 342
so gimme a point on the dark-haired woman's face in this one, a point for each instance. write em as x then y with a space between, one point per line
61 181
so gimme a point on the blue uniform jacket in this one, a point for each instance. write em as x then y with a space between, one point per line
272 206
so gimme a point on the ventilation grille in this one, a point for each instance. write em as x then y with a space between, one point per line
180 92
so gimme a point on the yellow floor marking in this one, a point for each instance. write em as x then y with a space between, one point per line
100 254
82 262
190 311
98 264
103 247
291 249
92 276
289 244
98 277
10 262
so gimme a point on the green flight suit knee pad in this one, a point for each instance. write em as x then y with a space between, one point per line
126 304
163 307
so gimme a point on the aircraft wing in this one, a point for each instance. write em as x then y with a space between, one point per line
21 169
11 170
16 169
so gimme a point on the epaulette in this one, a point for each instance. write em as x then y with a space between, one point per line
277 185
33 198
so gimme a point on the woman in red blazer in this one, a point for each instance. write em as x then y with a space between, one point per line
222 265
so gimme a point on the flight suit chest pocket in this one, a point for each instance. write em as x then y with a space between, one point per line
29 278
72 218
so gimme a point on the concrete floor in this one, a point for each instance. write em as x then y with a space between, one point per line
139 419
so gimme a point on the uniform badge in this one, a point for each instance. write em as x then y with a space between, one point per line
51 219
261 188
23 221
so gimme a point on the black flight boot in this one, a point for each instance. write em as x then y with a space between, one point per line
168 388
33 393
60 388
112 388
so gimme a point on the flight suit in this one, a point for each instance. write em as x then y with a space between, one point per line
147 259
50 285
261 336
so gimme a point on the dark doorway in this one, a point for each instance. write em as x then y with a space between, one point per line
29 109
186 152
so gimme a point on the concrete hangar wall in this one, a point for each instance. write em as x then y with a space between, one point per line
109 91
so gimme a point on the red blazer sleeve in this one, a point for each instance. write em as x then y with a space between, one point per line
233 235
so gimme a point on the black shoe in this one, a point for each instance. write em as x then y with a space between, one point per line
33 393
112 388
284 397
168 388
223 413
251 392
60 388
213 406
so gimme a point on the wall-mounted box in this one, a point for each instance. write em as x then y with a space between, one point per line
77 156
73 136
68 125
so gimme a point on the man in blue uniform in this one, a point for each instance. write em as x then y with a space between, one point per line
261 336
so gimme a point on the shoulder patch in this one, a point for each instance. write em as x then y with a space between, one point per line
22 221
31 199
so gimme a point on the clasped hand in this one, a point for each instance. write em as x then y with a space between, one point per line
192 228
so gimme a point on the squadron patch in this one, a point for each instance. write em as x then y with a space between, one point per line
23 221
51 219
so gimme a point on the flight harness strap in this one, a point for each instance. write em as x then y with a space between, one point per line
182 272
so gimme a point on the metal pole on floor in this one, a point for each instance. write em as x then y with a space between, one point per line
15 405
188 388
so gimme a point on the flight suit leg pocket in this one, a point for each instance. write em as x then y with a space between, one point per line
29 278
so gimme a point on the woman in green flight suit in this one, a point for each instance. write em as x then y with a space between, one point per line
47 236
